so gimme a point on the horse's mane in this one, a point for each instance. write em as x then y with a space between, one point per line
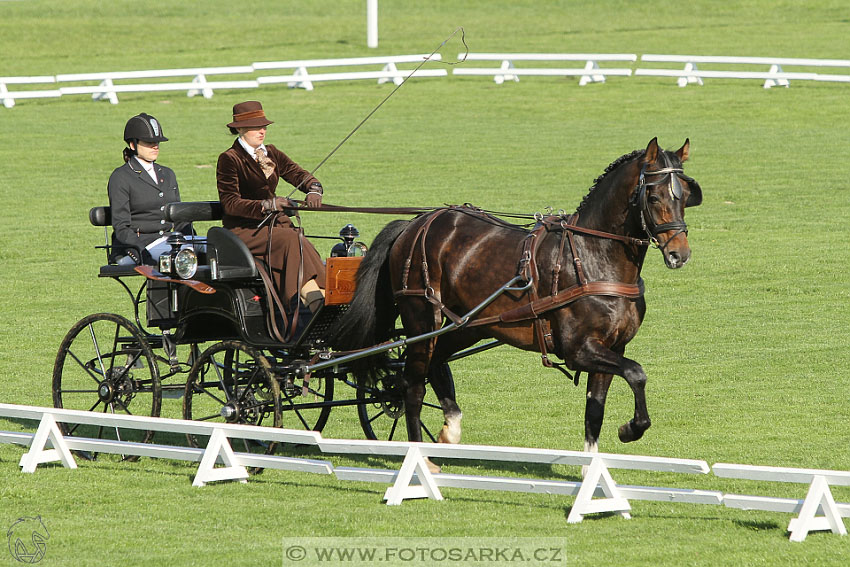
611 167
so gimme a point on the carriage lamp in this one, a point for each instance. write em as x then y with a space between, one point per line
182 261
186 263
348 247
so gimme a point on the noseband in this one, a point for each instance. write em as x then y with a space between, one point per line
676 192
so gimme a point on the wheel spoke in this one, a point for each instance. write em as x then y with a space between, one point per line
85 367
108 351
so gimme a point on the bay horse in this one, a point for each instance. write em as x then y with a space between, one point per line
579 297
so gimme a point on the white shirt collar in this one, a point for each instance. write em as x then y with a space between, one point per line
251 151
147 166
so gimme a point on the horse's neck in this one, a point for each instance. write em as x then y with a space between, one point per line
607 209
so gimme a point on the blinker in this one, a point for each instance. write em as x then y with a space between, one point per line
676 189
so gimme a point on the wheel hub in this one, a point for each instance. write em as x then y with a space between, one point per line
106 392
230 412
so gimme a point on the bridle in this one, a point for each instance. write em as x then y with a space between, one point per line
676 176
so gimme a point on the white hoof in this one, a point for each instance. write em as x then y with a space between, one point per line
432 468
450 432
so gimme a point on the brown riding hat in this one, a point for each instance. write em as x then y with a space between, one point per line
249 114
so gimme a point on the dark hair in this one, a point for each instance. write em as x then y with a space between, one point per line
234 131
129 152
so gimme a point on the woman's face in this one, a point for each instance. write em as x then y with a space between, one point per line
253 136
148 151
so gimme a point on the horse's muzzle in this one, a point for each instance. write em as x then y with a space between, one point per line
676 258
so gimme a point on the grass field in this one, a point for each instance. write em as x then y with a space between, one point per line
746 348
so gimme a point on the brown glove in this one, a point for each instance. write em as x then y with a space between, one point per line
314 195
276 204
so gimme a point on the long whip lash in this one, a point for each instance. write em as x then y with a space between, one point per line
386 98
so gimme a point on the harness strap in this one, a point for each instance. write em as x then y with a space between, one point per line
438 305
428 291
542 327
537 308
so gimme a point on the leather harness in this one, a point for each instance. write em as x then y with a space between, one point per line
538 306
527 268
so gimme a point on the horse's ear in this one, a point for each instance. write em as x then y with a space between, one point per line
684 151
651 151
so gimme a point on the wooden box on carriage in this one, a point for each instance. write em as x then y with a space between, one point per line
340 280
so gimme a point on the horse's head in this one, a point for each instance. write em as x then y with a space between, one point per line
660 197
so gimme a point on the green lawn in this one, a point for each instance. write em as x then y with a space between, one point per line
746 348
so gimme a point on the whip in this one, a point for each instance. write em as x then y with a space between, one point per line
386 98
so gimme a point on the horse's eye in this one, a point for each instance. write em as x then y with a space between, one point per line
654 199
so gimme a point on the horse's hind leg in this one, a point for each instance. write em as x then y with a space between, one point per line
444 388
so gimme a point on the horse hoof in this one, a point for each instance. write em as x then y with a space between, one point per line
432 467
625 433
446 435
628 432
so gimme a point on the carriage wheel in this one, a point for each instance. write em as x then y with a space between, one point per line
231 382
381 407
105 364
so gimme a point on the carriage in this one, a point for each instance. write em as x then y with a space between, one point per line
205 330
459 279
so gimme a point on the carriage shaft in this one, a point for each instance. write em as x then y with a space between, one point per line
423 337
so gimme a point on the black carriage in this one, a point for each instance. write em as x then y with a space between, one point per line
206 329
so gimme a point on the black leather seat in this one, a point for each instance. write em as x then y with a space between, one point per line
233 258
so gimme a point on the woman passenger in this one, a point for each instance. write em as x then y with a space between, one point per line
138 192
247 175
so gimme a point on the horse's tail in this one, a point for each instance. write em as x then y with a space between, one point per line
370 318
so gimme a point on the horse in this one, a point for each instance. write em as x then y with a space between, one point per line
570 286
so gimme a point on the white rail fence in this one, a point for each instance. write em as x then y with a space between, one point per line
301 77
597 493
304 75
591 72
110 84
774 76
8 97
106 89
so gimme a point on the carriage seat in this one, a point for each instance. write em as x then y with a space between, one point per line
102 216
232 258
190 211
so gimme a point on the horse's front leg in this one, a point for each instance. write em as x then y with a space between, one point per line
636 379
599 359
594 409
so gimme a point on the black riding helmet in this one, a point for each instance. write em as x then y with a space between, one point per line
143 127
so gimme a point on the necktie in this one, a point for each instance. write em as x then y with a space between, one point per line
265 162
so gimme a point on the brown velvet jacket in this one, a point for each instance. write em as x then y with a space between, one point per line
242 186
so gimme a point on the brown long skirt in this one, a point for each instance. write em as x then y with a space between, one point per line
286 256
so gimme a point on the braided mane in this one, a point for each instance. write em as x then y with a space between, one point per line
611 167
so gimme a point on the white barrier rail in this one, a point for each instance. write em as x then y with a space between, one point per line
8 97
818 498
590 73
773 77
301 77
595 494
199 85
304 73
413 480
